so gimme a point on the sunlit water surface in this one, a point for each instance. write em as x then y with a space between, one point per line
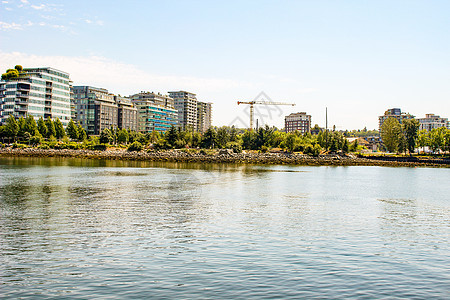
103 229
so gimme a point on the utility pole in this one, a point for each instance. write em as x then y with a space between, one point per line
326 128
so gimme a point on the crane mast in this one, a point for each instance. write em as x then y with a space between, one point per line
252 103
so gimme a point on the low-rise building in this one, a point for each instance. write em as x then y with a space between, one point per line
154 112
393 113
432 121
298 122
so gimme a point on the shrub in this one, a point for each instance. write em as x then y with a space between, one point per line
19 146
235 146
180 143
99 147
135 146
44 146
161 144
264 149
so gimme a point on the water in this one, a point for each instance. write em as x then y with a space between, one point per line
88 229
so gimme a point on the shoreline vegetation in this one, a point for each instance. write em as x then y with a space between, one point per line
228 156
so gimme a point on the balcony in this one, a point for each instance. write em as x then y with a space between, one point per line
19 109
21 95
23 87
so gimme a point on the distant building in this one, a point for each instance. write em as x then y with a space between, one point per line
186 105
204 116
298 121
154 112
39 92
95 109
431 121
126 113
393 113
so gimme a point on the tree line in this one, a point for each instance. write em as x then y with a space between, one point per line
406 137
51 134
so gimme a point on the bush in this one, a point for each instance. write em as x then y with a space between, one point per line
161 144
135 146
180 143
264 149
19 146
235 146
99 147
44 146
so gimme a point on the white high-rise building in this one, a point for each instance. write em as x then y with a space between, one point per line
186 105
37 92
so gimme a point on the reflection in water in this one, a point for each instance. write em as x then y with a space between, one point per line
86 228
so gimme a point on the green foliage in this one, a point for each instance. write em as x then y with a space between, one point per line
81 133
171 136
122 136
99 147
180 143
72 130
391 134
209 139
135 146
30 125
42 127
410 129
353 146
106 136
50 128
222 137
59 129
18 146
235 146
12 127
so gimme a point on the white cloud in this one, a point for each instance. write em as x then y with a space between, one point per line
40 7
11 26
118 77
24 1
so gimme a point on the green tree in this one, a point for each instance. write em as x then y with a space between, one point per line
82 136
209 139
59 129
196 139
22 126
12 127
410 129
72 130
233 134
422 139
30 125
42 127
222 137
50 127
106 136
122 136
171 136
391 133
249 140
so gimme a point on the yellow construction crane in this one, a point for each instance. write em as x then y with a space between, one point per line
263 103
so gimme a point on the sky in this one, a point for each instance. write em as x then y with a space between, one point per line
355 58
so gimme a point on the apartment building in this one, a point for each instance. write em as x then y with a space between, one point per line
186 105
155 111
95 109
298 122
432 121
204 116
37 92
393 113
127 113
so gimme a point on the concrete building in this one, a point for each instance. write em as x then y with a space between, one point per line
298 121
431 121
204 116
394 113
38 92
154 112
127 113
186 105
95 109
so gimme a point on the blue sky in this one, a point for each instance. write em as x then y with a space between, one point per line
358 58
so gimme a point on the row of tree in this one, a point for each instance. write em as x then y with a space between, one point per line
406 136
27 128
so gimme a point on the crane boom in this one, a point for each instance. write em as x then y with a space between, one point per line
251 103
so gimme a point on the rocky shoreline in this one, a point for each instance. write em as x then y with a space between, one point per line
225 156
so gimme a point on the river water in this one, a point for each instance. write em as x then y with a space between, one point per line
83 229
